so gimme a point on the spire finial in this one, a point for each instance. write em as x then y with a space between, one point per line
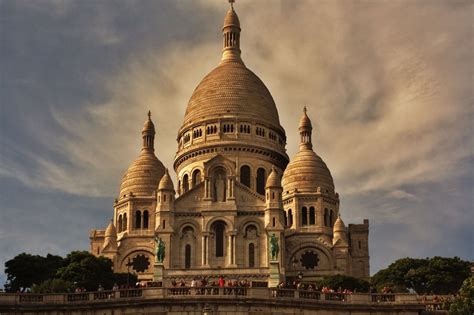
149 114
232 4
304 110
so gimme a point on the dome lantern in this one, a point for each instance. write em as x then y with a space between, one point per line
231 36
305 129
148 134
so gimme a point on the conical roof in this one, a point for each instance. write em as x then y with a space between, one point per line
111 231
339 225
273 179
166 183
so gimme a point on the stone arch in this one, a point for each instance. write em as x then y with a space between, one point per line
243 225
185 182
196 177
229 223
311 245
194 224
245 175
137 250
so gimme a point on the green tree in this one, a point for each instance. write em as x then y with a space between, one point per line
437 275
24 270
344 282
53 286
463 303
86 270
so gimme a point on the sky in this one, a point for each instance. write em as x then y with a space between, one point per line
387 84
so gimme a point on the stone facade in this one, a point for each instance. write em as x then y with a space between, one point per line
236 188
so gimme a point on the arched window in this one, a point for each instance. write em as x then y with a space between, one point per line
326 217
286 219
196 177
185 183
187 257
312 216
145 219
290 218
304 216
245 175
251 255
219 232
119 224
331 218
261 181
138 219
124 222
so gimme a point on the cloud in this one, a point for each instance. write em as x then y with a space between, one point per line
387 86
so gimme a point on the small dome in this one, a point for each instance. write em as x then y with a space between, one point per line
143 175
166 183
148 126
273 179
231 18
339 225
305 122
111 231
306 172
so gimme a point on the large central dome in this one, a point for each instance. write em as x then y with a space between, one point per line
231 90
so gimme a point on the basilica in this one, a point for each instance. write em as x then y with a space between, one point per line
239 206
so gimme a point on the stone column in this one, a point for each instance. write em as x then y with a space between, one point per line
207 188
231 249
205 251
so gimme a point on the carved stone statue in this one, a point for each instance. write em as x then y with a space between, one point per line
219 187
274 248
160 249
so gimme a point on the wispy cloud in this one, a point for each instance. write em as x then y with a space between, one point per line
387 85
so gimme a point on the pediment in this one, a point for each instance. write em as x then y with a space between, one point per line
245 197
222 161
191 198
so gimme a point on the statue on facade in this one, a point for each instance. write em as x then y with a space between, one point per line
160 249
219 187
274 248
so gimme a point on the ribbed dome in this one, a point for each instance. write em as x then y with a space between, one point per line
339 225
231 18
143 176
273 179
306 172
166 183
111 231
231 90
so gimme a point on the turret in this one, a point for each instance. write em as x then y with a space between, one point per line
339 232
164 204
273 203
110 241
231 36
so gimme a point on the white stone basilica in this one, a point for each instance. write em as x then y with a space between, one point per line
235 188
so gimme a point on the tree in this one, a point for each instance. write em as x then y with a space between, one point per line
24 270
463 303
344 282
53 286
438 275
86 270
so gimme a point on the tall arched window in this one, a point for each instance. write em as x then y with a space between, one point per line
331 218
185 183
187 256
124 226
290 218
145 219
251 255
326 217
245 175
219 232
138 219
119 224
304 216
261 181
312 216
196 177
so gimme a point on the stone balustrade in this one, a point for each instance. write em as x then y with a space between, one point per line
208 292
